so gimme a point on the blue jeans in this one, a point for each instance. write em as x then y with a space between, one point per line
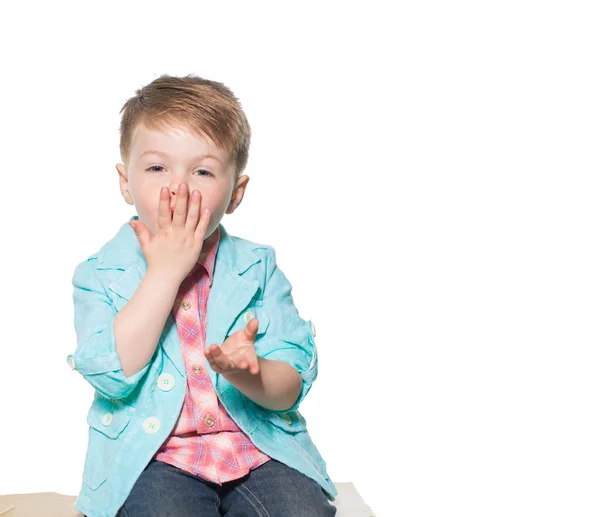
271 490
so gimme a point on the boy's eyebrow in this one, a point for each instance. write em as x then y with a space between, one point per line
198 157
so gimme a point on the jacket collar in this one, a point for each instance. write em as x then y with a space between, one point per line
124 250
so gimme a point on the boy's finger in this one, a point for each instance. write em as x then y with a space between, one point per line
180 214
164 210
220 359
192 216
226 363
202 226
251 329
214 364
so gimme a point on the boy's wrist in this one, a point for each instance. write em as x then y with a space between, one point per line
275 387
165 276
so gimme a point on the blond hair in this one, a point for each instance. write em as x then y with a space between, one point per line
203 106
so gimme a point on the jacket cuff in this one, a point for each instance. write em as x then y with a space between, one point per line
105 374
305 364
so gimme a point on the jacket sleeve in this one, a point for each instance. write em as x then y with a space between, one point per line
96 357
289 338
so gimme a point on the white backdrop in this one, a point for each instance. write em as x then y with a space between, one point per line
428 175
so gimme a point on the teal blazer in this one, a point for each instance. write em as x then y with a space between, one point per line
130 417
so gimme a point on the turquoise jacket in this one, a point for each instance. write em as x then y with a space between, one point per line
130 417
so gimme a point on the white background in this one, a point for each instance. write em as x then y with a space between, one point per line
428 175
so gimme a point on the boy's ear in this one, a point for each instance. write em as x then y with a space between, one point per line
121 170
238 194
124 183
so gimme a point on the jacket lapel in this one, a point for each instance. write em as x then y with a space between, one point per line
230 292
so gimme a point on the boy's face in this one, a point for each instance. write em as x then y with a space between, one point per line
182 161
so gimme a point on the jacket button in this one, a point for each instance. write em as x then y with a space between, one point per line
186 304
71 361
151 425
107 419
166 382
287 418
248 316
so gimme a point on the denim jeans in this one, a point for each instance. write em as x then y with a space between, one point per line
271 490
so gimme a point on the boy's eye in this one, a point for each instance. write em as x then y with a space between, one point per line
153 168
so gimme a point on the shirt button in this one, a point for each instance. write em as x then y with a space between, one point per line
107 419
151 425
248 316
197 368
186 304
209 421
166 382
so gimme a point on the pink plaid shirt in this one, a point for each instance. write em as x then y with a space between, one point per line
205 440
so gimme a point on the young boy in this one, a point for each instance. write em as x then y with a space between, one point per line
189 335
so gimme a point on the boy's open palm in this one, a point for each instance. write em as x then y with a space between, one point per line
237 353
177 243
